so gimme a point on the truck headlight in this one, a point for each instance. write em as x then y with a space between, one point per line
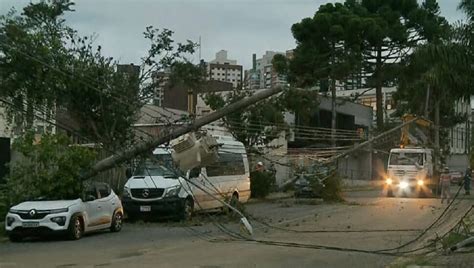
388 181
403 185
126 192
173 191
421 182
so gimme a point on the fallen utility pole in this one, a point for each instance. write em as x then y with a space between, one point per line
169 134
359 146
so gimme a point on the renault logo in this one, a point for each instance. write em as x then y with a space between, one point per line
145 193
32 213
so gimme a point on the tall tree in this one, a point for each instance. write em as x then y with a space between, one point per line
391 29
46 66
328 49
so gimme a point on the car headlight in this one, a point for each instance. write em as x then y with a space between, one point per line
14 211
126 192
59 220
173 191
61 210
403 185
10 221
388 181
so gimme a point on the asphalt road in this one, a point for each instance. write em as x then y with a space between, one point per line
165 244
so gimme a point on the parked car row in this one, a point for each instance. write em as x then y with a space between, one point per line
155 187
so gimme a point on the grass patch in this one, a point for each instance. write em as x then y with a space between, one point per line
415 260
452 239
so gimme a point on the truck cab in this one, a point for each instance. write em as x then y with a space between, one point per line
409 171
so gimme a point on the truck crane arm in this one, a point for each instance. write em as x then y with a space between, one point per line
405 135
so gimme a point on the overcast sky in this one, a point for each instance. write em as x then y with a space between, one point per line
241 27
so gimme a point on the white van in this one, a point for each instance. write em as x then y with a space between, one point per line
157 188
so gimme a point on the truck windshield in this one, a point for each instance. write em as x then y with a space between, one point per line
406 159
153 168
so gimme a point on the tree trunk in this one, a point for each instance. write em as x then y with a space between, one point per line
378 88
333 112
170 133
427 102
437 125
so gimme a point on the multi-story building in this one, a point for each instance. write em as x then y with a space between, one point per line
185 99
263 74
225 70
268 76
252 76
160 79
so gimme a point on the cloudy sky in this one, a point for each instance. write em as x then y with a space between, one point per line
241 27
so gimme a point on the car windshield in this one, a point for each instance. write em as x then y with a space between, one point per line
404 159
151 167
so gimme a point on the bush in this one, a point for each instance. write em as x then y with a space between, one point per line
261 183
48 169
332 190
3 202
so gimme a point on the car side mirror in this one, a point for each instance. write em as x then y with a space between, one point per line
90 198
128 173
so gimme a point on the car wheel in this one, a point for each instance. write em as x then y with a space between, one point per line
117 220
76 228
15 238
187 210
234 200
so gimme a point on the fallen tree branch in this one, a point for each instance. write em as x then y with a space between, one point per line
169 134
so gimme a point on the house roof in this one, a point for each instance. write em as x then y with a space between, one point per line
155 115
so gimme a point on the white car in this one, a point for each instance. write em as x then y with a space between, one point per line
101 209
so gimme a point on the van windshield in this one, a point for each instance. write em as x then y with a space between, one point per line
153 168
404 159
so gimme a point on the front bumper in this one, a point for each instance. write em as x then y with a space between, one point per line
409 186
161 207
44 225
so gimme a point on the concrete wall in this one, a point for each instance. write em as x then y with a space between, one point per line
458 162
356 166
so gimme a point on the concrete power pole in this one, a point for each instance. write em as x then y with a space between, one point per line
172 133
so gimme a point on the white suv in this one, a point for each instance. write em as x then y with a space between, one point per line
101 209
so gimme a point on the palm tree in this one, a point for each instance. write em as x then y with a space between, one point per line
443 68
468 7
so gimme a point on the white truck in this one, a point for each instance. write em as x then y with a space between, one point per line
410 171
410 168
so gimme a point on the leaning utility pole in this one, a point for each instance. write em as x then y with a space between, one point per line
370 141
169 134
